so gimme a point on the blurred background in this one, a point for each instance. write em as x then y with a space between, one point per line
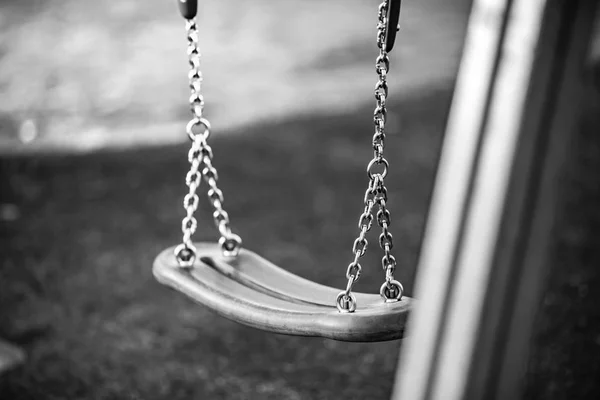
93 154
85 75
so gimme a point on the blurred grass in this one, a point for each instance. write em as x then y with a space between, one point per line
76 290
565 358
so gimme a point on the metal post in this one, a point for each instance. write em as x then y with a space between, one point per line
487 237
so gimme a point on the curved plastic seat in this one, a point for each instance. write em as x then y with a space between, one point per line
252 291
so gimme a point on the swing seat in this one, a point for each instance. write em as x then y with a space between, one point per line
250 290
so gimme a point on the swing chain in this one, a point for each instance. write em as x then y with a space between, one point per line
391 290
200 157
376 193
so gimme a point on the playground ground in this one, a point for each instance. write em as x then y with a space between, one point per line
77 293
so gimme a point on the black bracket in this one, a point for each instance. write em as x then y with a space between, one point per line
188 8
392 18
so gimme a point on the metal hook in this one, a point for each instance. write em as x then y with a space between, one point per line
392 18
188 8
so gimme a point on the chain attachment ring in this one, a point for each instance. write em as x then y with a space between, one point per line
345 303
230 245
378 161
198 122
185 254
391 291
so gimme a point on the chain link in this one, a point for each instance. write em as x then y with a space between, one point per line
376 193
200 157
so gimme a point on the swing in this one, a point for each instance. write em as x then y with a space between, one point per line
244 287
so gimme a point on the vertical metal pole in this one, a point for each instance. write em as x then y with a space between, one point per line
487 236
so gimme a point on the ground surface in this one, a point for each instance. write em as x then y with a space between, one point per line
79 234
76 285
565 358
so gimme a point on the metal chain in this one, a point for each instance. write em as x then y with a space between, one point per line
376 193
200 157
